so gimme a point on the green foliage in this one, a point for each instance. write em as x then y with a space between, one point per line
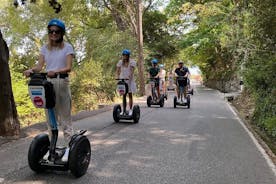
90 85
270 124
260 61
206 44
227 35
156 35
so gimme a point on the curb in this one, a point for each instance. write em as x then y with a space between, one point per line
259 143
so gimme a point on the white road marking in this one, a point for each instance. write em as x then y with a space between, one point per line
260 148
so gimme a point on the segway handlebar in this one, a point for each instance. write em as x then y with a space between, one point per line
154 78
181 78
122 79
44 74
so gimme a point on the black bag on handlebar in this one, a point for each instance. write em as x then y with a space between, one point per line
123 83
41 80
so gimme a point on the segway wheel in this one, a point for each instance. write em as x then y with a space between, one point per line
188 101
79 157
136 114
38 148
174 101
162 101
149 99
116 113
192 92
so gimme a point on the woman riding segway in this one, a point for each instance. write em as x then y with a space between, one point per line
126 86
58 55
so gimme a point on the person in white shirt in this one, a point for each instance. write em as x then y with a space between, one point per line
57 55
162 76
125 70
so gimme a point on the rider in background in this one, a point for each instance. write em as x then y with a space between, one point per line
125 70
181 71
57 55
162 75
154 72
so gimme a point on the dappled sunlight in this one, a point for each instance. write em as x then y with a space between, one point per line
31 181
223 117
207 89
177 138
136 163
107 172
107 142
152 122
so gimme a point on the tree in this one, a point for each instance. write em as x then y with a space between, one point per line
140 47
158 41
9 123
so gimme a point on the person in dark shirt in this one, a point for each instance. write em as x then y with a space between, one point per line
181 71
154 73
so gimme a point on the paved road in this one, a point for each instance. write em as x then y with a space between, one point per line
202 145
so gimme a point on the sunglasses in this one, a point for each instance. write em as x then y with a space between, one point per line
54 31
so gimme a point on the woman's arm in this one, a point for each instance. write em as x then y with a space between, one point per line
131 72
68 68
37 68
118 72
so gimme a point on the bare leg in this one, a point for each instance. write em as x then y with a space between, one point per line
177 91
164 87
158 92
185 91
130 100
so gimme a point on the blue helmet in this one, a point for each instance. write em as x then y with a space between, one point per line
126 52
154 61
58 23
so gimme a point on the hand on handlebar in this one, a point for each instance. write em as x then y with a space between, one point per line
51 74
27 73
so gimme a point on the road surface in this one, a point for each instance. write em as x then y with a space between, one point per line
202 145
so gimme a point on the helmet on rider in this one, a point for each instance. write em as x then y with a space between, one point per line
154 61
58 23
180 62
126 52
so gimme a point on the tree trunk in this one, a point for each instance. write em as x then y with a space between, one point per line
9 123
140 48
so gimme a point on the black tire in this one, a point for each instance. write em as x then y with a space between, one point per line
116 112
174 101
79 157
149 99
188 101
136 114
162 101
38 148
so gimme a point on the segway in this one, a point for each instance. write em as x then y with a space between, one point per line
181 89
153 98
44 154
190 89
123 114
171 85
